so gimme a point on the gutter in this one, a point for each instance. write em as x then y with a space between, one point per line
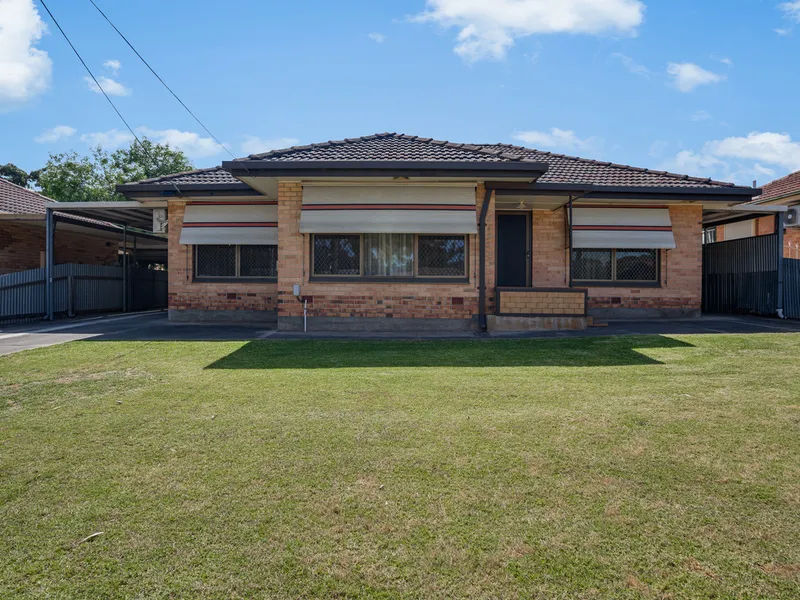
482 277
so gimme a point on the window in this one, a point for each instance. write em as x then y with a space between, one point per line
403 255
621 265
710 235
235 262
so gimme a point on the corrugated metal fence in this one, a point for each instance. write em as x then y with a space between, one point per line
791 288
80 289
741 276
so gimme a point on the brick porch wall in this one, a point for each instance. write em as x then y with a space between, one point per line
681 268
21 248
364 299
185 294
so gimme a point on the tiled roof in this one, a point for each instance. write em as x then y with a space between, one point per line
18 200
573 169
213 175
400 147
785 186
390 147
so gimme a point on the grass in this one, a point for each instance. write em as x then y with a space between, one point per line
631 467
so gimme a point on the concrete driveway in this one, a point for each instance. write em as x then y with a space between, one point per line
154 326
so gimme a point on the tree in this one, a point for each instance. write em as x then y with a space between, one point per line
69 177
15 175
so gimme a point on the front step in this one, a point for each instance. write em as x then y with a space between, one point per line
496 323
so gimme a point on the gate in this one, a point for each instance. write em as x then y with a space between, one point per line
741 276
80 289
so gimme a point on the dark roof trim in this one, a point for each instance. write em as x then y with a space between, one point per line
609 191
380 168
132 231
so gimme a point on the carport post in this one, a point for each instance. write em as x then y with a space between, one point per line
48 262
779 217
124 268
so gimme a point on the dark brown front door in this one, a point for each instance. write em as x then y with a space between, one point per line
513 249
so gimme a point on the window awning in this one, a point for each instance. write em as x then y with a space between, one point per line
244 223
388 209
622 227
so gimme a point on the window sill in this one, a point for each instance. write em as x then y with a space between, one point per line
411 280
617 284
235 280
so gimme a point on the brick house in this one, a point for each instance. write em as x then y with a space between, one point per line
390 231
785 192
22 234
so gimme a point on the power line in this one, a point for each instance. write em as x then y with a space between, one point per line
164 83
100 87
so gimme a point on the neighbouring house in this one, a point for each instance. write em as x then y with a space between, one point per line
22 234
398 232
785 192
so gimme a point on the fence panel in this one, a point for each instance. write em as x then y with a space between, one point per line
791 288
741 276
79 289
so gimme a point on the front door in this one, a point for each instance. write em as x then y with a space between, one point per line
513 249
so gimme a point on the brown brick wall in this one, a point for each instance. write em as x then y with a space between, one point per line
360 299
681 268
765 225
550 254
22 245
563 302
185 294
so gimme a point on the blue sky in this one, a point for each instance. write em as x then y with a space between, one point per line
707 88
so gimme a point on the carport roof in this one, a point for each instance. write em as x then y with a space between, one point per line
130 213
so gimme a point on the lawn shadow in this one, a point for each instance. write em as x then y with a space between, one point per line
329 354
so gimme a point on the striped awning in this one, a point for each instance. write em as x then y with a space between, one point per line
642 227
388 209
244 223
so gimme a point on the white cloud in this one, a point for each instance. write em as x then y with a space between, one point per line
632 65
791 10
556 139
25 70
726 61
487 29
113 65
256 145
378 38
111 86
194 145
687 76
783 32
55 134
110 140
740 159
701 115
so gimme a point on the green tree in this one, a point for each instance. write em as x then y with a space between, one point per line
69 177
14 174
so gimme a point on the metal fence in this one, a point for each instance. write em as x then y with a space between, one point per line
80 289
791 288
741 276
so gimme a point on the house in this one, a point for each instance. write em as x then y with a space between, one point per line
22 234
785 192
398 232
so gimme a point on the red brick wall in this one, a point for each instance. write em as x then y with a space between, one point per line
22 245
681 268
791 242
361 299
185 294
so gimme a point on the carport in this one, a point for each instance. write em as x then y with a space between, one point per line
747 275
134 220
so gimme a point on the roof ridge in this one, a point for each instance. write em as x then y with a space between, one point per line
476 148
621 166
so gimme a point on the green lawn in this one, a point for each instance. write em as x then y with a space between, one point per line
575 468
